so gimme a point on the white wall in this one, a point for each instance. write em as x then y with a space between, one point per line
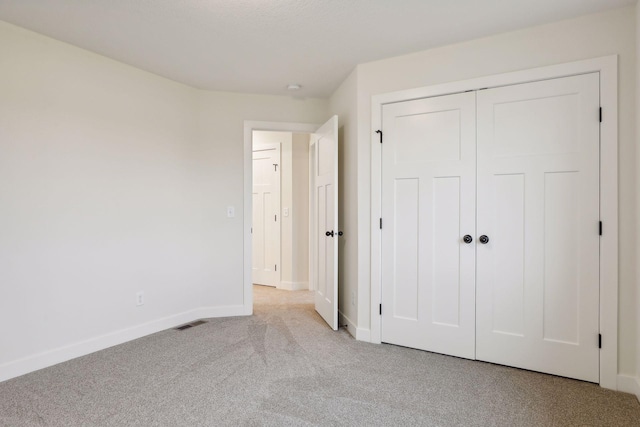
343 102
98 197
114 181
590 36
286 200
295 225
299 212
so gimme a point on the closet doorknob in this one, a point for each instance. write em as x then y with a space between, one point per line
484 239
467 239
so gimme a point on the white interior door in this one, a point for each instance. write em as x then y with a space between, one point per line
428 206
538 203
325 221
266 209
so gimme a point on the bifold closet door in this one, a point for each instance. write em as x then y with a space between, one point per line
428 206
538 204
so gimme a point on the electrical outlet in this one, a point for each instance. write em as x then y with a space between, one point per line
353 298
140 298
285 211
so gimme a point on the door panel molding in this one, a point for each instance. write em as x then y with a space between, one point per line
607 67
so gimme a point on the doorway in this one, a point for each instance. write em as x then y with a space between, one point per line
280 197
321 153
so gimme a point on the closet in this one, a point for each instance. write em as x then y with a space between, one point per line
490 243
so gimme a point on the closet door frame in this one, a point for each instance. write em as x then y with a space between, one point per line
607 67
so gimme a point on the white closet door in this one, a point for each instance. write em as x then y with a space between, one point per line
428 206
538 203
266 221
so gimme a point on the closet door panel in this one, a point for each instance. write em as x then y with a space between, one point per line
538 202
428 205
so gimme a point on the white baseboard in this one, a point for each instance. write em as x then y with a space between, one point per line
223 311
294 286
363 334
358 333
345 321
629 384
52 357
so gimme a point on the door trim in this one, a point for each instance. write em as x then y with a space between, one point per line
608 69
249 127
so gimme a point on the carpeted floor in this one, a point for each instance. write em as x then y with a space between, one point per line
284 366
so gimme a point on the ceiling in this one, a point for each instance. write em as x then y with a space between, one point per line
260 46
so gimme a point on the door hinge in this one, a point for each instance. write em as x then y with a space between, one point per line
380 309
379 132
600 114
251 230
275 217
600 229
275 267
380 223
599 340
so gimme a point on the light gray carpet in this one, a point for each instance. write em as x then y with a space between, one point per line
284 366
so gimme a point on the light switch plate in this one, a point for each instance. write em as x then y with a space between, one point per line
231 212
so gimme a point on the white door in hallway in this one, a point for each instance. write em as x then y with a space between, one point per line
266 212
325 221
538 204
428 207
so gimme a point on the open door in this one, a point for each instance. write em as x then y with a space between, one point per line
325 218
